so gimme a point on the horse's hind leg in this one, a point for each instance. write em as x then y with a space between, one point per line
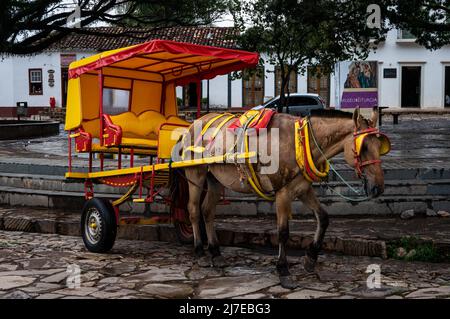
196 179
209 210
311 201
283 205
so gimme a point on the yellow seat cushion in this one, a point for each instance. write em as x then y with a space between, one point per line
139 142
137 130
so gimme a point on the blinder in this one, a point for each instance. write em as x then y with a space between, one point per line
358 141
361 135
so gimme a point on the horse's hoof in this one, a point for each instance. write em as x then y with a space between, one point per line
219 262
204 261
309 264
288 282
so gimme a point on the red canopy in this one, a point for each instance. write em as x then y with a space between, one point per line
168 61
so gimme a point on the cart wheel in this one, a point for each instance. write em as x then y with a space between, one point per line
184 231
98 225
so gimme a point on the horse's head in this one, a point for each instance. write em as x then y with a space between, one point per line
363 151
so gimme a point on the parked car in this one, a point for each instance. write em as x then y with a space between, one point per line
299 104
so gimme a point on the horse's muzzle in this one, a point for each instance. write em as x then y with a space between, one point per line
372 190
376 191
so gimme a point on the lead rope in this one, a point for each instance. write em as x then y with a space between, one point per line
358 192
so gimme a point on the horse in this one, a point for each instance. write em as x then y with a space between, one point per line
333 131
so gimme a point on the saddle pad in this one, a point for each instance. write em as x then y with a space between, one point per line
255 119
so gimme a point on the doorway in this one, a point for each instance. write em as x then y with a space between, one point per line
190 95
64 83
411 86
447 87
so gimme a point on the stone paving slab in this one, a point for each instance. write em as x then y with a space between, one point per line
142 269
349 236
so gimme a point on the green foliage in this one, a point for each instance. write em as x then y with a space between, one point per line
427 20
174 12
424 251
297 34
30 26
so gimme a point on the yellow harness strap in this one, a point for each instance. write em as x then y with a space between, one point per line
253 179
303 154
201 149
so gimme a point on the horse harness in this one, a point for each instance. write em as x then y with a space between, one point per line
303 155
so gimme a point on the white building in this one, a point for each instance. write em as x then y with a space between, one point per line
405 74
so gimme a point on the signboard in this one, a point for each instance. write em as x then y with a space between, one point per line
390 73
360 85
66 59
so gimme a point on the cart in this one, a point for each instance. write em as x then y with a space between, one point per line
122 103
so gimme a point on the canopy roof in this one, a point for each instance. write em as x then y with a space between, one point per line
165 61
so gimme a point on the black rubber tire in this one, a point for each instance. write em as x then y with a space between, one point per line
108 229
185 233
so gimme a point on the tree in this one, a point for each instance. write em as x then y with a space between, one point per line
428 20
175 12
294 34
29 26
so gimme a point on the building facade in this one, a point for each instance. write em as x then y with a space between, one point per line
399 73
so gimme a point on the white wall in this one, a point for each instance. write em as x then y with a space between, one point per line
395 54
6 82
44 61
218 92
14 82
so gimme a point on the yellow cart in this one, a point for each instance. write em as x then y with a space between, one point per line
124 102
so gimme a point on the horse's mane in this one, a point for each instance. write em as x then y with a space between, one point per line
331 113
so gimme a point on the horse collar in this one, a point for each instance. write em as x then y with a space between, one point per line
303 154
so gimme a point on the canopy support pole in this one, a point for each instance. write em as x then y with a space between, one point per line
100 103
199 98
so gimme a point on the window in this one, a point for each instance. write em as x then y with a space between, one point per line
292 81
115 101
35 81
319 83
447 87
405 35
253 88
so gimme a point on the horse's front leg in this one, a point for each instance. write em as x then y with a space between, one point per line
311 201
283 204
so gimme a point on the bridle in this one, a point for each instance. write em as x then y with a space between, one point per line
358 140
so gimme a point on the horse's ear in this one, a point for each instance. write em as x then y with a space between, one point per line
374 117
356 118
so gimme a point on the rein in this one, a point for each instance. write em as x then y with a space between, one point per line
357 151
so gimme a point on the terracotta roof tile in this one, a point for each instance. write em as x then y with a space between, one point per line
117 37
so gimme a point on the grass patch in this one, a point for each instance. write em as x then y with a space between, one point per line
424 251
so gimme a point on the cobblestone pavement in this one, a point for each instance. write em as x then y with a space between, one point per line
36 266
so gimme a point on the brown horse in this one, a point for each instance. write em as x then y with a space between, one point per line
334 132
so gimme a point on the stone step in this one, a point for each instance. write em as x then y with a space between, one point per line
392 172
392 187
384 205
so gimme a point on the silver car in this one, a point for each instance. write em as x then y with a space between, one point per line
299 104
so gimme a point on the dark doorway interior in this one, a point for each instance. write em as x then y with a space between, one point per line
64 82
447 87
190 95
411 86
